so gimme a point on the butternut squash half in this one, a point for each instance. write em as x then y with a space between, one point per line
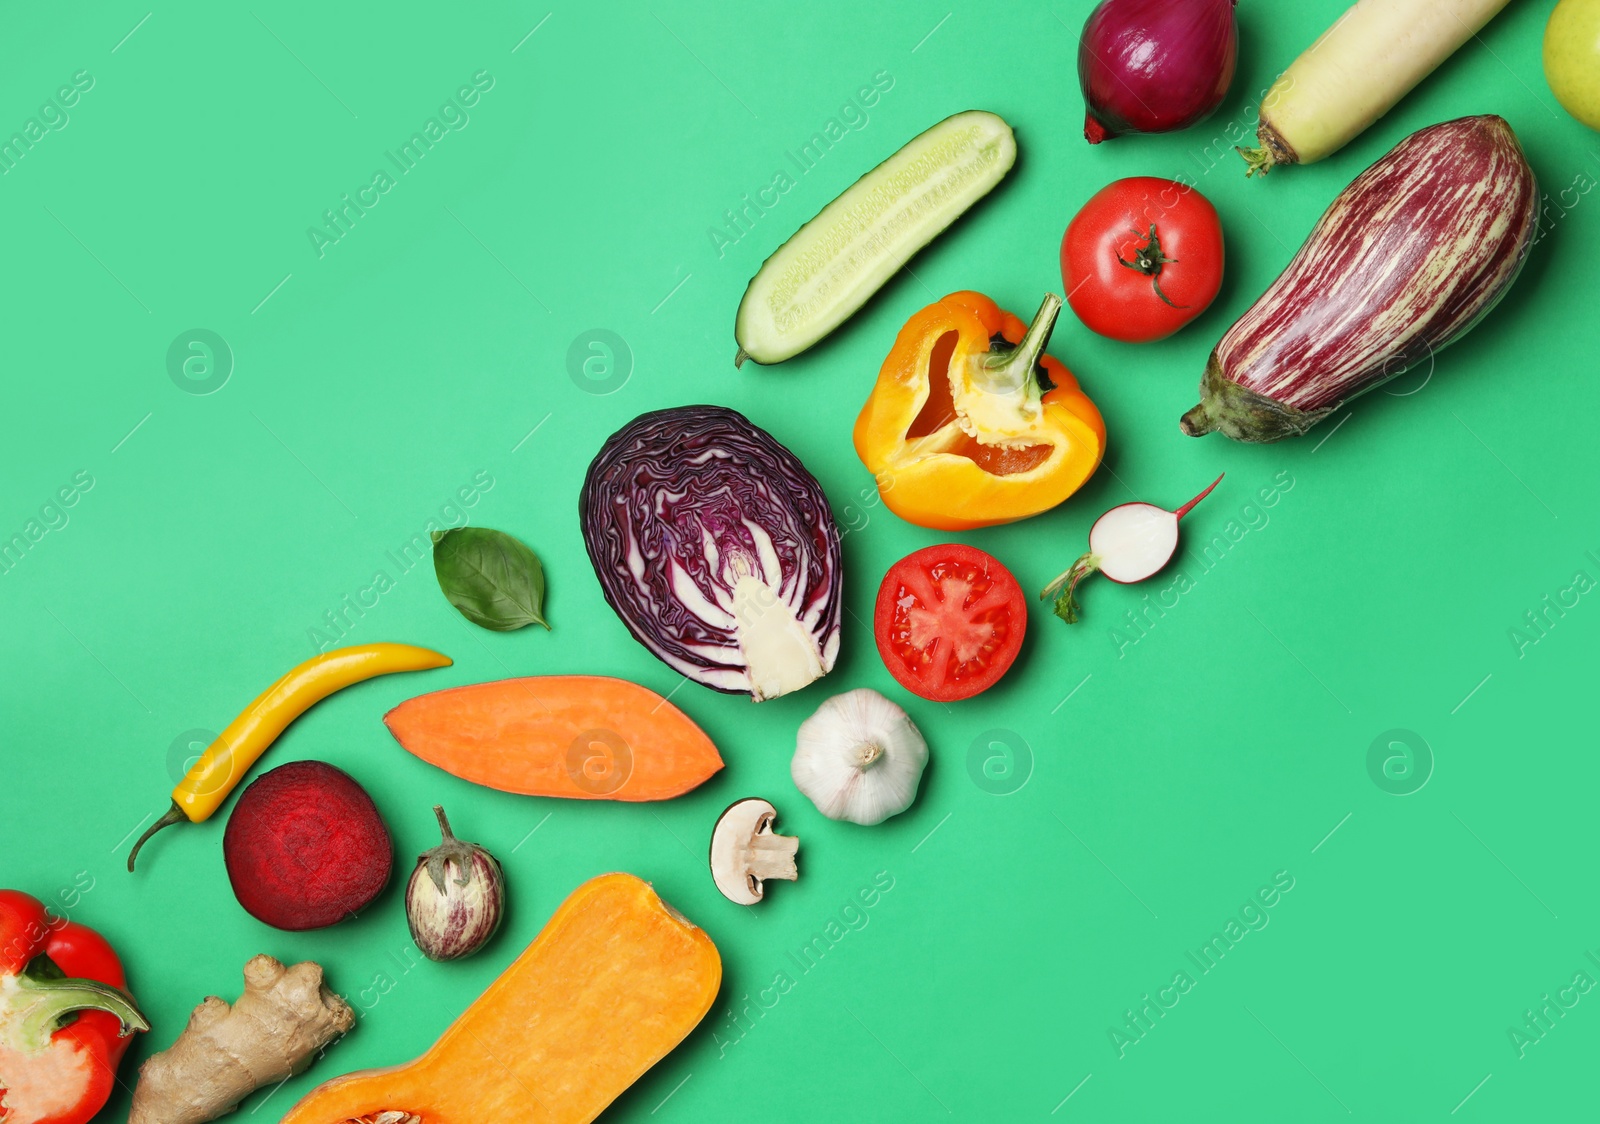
614 981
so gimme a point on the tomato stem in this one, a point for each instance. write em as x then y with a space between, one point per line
1148 260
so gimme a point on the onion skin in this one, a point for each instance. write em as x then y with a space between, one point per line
1152 66
1404 262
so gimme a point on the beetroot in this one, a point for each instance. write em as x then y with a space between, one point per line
305 847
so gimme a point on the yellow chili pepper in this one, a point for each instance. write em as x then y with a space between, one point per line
971 424
224 764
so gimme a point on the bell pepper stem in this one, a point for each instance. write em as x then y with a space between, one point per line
173 815
39 1003
1008 371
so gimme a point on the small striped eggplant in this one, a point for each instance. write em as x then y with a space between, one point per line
456 897
1405 261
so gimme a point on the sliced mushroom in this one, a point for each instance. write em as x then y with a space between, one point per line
745 851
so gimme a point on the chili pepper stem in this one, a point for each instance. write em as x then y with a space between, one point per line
1065 586
1186 508
38 1005
174 815
1012 370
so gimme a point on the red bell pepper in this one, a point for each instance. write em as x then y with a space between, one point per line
65 1020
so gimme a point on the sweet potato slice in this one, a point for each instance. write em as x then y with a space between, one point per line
584 737
615 980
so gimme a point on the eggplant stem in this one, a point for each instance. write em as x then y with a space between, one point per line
444 824
1188 507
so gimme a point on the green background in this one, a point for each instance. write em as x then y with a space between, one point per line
1165 780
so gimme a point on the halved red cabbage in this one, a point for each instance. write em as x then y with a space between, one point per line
717 549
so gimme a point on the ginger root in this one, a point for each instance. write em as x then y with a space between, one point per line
273 1031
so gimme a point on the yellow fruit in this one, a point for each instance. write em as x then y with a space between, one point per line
1572 58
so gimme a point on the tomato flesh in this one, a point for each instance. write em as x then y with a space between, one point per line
949 621
1120 301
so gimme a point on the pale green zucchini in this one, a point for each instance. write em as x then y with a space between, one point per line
827 270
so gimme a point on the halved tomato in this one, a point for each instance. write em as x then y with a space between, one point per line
949 621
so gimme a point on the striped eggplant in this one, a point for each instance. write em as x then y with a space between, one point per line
1405 261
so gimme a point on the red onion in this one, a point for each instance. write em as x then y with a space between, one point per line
1152 66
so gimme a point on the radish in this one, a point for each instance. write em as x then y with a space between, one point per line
1128 544
1355 73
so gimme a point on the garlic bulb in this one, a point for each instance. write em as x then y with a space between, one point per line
859 758
456 897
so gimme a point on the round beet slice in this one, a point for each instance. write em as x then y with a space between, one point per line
305 847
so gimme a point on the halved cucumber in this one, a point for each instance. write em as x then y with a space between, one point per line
819 277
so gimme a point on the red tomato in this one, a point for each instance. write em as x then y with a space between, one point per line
949 621
1142 259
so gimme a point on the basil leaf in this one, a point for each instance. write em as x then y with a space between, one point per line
494 579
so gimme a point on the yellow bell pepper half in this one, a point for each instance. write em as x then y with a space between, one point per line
971 424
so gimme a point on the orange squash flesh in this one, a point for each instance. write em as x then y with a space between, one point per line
584 737
615 980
